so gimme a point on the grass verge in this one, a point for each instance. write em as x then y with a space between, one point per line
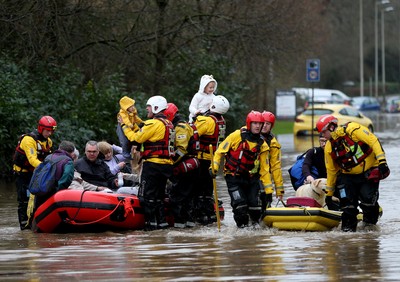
283 127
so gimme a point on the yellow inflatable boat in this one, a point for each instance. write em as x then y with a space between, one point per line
301 214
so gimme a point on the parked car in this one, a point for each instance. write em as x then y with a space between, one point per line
393 104
323 96
344 114
365 103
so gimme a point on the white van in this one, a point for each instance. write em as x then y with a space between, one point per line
322 96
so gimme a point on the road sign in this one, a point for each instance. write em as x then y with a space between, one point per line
285 104
312 70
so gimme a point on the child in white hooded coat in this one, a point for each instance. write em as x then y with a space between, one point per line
202 100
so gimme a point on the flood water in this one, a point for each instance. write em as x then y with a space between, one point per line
203 253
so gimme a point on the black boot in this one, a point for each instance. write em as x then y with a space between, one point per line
22 216
161 219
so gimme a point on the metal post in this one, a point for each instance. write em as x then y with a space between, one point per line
383 53
376 49
387 9
361 51
381 2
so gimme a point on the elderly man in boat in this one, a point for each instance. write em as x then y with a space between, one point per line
94 170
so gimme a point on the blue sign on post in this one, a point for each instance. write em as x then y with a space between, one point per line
312 69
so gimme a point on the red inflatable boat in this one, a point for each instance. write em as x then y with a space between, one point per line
77 210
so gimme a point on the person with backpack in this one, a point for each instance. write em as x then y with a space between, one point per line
55 173
185 163
246 164
31 150
355 163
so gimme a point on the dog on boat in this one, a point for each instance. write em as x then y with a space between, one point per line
315 190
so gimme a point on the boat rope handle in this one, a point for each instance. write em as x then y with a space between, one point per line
280 201
71 221
80 205
306 212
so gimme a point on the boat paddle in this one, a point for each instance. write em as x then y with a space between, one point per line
215 190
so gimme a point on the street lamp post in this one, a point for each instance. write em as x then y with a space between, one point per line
387 9
377 3
361 51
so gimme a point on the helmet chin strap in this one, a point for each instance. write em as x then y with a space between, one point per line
332 127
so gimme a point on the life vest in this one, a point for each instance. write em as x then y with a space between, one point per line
347 153
268 138
216 138
244 160
194 142
163 148
20 158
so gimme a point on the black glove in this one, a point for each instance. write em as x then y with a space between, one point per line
329 202
332 205
212 173
266 200
383 169
263 199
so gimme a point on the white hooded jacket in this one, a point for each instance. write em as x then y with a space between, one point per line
202 101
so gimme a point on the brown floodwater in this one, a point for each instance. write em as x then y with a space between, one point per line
203 253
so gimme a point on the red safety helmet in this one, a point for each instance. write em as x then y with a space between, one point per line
325 121
269 117
48 123
253 116
171 111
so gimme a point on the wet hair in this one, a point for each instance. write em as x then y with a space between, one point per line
67 146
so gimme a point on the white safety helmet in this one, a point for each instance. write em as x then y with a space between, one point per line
219 105
157 103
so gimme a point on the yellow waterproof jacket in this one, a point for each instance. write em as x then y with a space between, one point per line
183 133
276 166
152 131
232 142
357 133
30 147
130 119
205 126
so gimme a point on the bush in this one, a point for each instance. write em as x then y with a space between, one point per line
82 112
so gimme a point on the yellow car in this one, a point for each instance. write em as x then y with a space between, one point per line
344 114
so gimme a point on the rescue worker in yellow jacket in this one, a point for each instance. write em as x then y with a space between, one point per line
211 129
157 138
355 163
246 156
31 150
274 156
185 165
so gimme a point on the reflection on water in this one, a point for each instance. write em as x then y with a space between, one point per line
203 253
